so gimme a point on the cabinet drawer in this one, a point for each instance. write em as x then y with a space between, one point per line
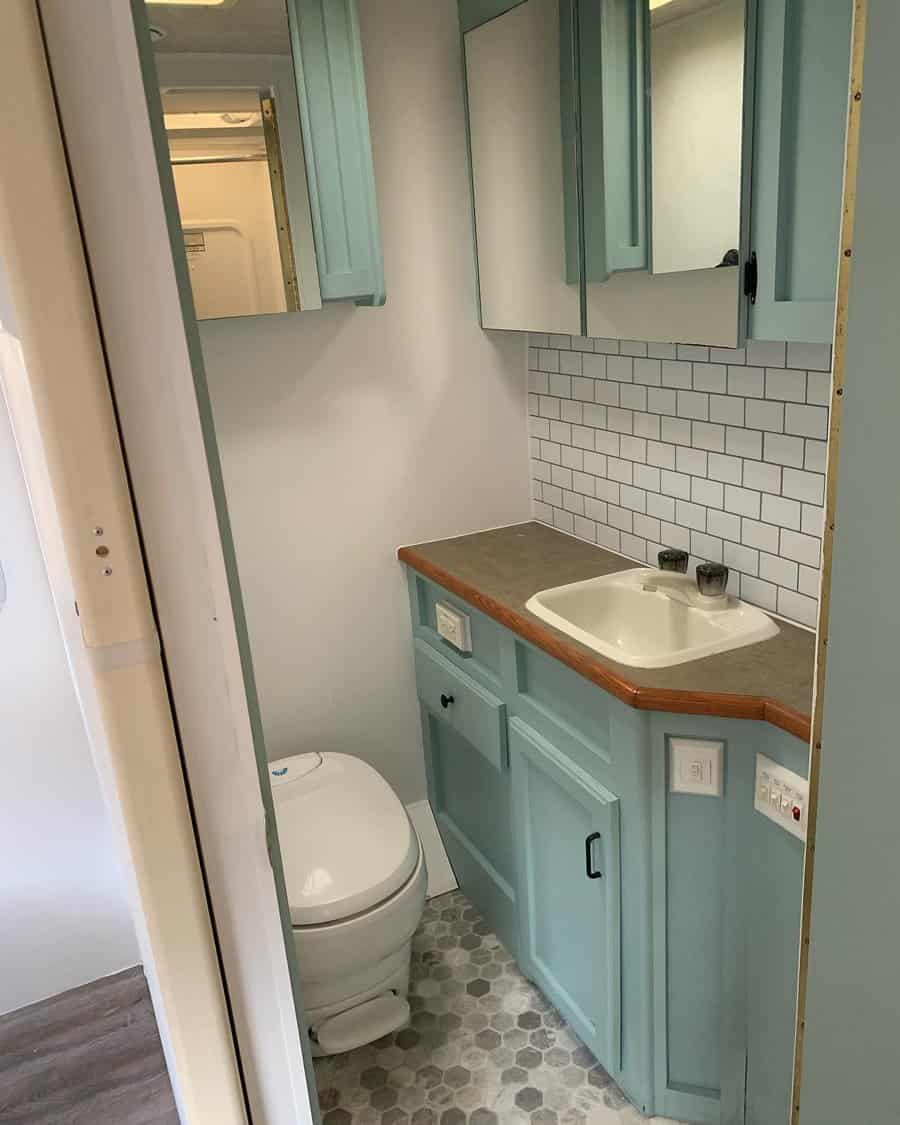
458 700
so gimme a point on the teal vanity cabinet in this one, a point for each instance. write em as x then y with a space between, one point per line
663 926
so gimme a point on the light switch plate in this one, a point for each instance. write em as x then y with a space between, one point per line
453 626
782 796
695 766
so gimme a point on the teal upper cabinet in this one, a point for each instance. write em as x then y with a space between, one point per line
803 64
268 137
340 172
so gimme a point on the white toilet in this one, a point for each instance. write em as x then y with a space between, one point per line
356 880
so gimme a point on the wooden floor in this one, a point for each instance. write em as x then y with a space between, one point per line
91 1056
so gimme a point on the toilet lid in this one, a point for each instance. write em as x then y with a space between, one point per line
346 840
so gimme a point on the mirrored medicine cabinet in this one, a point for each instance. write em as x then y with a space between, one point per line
266 121
657 169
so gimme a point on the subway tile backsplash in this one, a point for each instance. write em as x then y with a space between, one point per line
719 451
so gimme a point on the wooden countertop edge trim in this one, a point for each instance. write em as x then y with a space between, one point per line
645 699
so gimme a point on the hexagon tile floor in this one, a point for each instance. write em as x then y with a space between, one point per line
484 1046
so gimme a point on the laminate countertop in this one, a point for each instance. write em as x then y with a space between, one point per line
498 571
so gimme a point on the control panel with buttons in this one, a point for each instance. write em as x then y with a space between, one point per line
781 795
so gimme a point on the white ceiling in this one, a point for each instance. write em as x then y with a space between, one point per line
249 27
678 9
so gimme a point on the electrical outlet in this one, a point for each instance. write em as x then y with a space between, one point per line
695 766
781 795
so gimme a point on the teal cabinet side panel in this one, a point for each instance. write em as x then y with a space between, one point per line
802 80
612 36
569 921
341 176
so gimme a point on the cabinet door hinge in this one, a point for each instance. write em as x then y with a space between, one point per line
751 278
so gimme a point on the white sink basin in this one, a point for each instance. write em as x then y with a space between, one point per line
650 618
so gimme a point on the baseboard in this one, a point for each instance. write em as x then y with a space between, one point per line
440 873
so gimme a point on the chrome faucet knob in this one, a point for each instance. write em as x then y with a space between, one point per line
672 559
712 578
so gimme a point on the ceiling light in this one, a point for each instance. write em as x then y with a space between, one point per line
193 3
176 122
653 3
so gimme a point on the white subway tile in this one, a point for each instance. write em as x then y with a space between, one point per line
607 490
561 432
695 353
608 537
595 509
723 524
645 476
690 461
570 363
593 366
538 382
661 401
548 407
632 347
693 404
563 521
661 455
595 415
633 448
619 470
710 377
542 512
663 507
741 558
675 484
676 374
812 520
582 389
633 498
661 351
559 340
533 404
573 502
609 347
646 426
537 339
690 515
548 359
550 452
708 435
561 386
784 450
583 483
743 443
551 494
818 388
782 572
674 536
707 547
708 492
633 547
606 393
798 608
733 585
761 415
726 408
806 421
786 386
814 357
620 368
534 445
618 420
646 526
676 430
748 382
647 372
620 517
780 511
801 548
633 397
595 463
808 487
582 344
605 442
722 467
561 476
766 353
583 437
586 529
808 581
760 475
570 411
763 594
540 470
572 458
727 355
761 535
539 427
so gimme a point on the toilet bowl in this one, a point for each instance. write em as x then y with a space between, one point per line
356 879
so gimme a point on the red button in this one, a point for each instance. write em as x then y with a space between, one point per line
796 812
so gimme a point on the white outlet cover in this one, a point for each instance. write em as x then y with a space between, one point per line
696 766
453 625
791 808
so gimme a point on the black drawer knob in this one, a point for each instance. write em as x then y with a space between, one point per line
446 700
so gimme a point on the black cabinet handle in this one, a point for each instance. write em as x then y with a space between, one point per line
588 859
446 700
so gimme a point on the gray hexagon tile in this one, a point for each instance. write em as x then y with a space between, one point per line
483 1046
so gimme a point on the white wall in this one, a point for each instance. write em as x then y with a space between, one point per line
697 66
65 917
347 432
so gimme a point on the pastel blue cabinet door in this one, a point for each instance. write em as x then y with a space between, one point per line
566 823
802 83
612 36
334 115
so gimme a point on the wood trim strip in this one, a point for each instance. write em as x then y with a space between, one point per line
845 262
642 698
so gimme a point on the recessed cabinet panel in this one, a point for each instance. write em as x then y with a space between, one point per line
519 81
569 887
